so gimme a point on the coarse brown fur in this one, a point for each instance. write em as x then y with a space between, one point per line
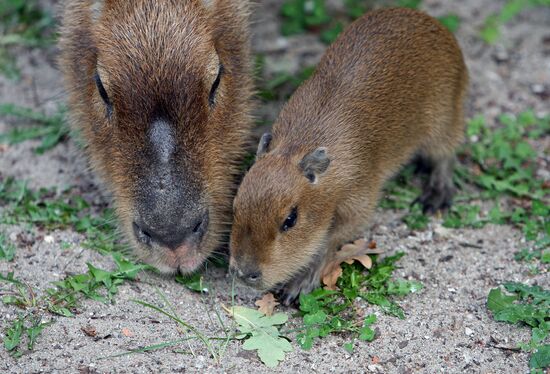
392 86
157 61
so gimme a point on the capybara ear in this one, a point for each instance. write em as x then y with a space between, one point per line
263 146
315 164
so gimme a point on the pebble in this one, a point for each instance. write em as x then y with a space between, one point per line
375 368
537 88
501 54
468 331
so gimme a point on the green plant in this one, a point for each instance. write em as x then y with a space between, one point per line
300 15
51 129
327 312
502 169
281 85
63 299
490 32
261 334
7 249
450 21
28 326
528 305
22 23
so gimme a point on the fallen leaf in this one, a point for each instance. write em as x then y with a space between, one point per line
375 360
331 276
89 330
356 251
364 260
261 333
267 304
126 332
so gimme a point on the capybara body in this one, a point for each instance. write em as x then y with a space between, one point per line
160 92
391 87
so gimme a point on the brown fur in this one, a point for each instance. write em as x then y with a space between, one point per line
390 87
153 54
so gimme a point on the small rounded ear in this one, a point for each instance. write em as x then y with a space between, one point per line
314 164
264 144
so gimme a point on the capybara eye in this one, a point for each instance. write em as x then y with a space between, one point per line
290 221
212 96
103 94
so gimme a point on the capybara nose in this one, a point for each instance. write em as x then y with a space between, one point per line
249 277
171 235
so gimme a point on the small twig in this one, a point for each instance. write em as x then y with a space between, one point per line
504 348
469 245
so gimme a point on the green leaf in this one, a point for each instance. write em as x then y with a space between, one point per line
194 282
7 249
34 332
498 301
366 334
451 22
13 335
540 359
264 336
403 287
348 347
315 319
369 320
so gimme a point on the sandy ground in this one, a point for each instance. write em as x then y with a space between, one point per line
447 329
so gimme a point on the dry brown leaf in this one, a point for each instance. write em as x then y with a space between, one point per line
267 304
375 360
331 275
89 330
126 332
356 251
364 260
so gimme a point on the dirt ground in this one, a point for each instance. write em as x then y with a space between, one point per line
448 328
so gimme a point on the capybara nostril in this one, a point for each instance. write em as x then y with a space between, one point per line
201 226
141 235
252 278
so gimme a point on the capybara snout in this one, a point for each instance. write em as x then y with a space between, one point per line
160 91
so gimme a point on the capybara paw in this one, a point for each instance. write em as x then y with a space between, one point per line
436 198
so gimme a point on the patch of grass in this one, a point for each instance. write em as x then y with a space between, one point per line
328 312
451 22
48 209
51 130
501 168
63 299
280 86
216 346
526 305
23 328
22 23
300 16
490 32
7 249
51 209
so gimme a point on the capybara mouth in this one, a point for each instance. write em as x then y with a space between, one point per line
184 259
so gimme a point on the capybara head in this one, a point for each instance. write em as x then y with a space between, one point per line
281 218
160 92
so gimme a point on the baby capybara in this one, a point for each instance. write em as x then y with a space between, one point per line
392 86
